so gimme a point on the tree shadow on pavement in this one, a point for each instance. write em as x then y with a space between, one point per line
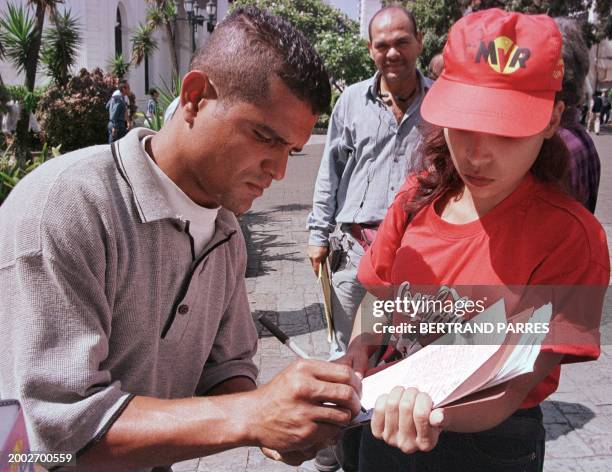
293 322
266 243
561 418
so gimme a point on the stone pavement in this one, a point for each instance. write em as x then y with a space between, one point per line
281 285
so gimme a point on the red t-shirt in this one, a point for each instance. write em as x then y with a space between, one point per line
536 236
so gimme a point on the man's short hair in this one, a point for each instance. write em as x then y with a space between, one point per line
250 45
575 61
398 8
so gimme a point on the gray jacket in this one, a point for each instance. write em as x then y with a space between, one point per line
101 299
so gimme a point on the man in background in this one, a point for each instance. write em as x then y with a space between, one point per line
372 134
118 112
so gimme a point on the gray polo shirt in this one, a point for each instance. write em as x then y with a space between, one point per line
367 157
102 299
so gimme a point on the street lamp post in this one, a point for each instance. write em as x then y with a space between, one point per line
192 8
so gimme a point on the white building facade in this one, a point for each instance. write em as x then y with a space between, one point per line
106 29
108 25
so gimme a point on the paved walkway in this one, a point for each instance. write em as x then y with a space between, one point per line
281 285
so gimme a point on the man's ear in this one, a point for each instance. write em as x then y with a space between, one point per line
370 50
196 90
555 119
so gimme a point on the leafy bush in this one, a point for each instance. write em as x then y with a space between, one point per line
21 94
11 172
75 116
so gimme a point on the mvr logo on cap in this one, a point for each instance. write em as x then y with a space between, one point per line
503 55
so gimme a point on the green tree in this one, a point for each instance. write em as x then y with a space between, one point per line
333 34
593 32
161 15
118 66
41 9
435 17
60 47
346 58
143 44
18 37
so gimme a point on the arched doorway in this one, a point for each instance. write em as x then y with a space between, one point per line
118 34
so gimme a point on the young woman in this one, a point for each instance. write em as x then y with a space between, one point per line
490 211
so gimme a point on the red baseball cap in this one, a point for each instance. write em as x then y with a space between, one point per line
501 72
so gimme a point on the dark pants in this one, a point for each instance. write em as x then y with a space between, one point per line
516 445
121 128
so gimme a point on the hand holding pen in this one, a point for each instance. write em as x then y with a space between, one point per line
293 347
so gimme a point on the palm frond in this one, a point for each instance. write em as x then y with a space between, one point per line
18 35
155 17
143 43
61 43
168 91
118 66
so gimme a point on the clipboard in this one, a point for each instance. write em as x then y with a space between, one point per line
325 282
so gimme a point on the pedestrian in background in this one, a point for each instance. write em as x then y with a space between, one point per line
152 104
117 107
605 110
596 108
585 168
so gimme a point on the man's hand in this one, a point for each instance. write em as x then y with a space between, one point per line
405 419
304 406
317 254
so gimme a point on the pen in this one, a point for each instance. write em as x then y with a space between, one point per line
287 341
283 338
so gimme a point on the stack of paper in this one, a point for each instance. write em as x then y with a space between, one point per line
454 367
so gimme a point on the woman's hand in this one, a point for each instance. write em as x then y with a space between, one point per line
405 419
356 358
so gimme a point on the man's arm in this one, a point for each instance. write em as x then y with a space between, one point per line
232 385
286 414
322 219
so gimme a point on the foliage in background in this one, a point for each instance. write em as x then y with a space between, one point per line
75 116
118 66
435 17
346 58
167 93
4 97
161 15
18 36
333 34
21 36
11 172
143 43
60 47
593 32
21 94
